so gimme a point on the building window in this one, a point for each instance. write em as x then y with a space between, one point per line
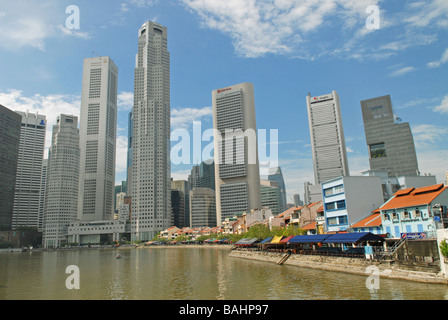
406 215
334 190
386 217
377 150
394 216
418 213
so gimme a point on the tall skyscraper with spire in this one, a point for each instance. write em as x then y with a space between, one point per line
151 167
98 133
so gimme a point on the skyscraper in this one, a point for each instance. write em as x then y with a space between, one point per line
29 170
276 175
97 131
271 196
327 137
151 167
10 124
202 208
237 173
61 195
390 144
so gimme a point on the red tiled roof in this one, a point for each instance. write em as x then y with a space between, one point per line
288 212
416 197
310 226
374 220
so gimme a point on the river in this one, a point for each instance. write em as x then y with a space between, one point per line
180 273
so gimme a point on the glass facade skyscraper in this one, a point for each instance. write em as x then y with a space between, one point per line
10 125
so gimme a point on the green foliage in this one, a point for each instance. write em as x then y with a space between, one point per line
444 248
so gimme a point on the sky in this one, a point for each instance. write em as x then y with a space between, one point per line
285 48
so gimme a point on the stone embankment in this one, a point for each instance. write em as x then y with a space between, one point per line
342 264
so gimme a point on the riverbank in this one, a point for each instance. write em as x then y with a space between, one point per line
342 264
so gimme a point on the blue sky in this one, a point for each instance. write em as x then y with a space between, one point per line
286 48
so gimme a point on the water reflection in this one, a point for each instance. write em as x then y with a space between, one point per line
186 274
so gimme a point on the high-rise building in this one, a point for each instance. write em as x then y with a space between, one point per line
61 194
151 166
207 175
297 201
271 196
98 130
327 137
237 173
29 170
194 179
390 144
202 208
178 208
276 175
129 155
183 187
10 124
43 184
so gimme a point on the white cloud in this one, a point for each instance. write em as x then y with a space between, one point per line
426 135
442 60
429 12
125 100
144 3
184 118
443 107
29 23
121 154
258 28
402 71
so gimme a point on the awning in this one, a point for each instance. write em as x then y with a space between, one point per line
277 239
286 240
352 237
266 240
311 238
247 241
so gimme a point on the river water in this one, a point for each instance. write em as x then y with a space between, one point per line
179 273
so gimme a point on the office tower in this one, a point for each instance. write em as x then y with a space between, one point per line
121 188
151 167
327 137
202 208
297 201
207 175
129 155
271 196
43 184
194 177
29 170
10 125
178 208
237 174
97 131
390 144
276 175
202 176
61 194
183 187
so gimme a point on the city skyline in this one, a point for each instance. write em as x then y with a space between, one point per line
405 58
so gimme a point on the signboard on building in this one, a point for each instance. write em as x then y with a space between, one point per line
414 235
